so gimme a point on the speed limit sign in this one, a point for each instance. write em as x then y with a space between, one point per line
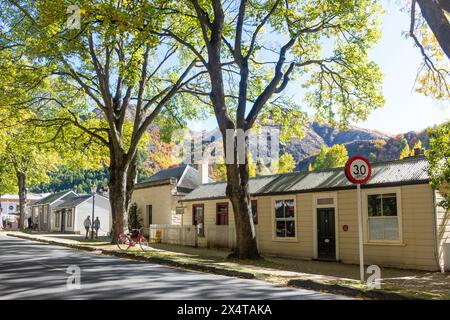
358 170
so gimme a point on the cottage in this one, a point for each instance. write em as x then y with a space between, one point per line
69 215
41 210
313 215
157 197
66 211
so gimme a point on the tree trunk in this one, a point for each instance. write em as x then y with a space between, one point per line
434 13
238 193
118 197
22 184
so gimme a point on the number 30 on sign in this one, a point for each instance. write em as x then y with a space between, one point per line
358 170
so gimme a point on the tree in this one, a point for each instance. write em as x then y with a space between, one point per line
134 217
439 164
28 162
405 152
81 180
112 76
430 31
251 50
331 157
286 163
435 12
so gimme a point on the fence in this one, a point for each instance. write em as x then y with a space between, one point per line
221 236
173 234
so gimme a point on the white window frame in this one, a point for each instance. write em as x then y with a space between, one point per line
45 214
274 219
364 194
69 218
57 219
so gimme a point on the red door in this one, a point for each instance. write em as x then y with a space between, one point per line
222 214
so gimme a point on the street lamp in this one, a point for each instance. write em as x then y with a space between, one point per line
94 190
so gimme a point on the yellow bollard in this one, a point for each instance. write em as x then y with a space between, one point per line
158 236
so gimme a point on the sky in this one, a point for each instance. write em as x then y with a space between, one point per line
404 110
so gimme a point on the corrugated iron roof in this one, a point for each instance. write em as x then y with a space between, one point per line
175 172
51 198
73 202
407 171
217 189
186 177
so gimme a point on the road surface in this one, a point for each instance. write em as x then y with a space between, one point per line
33 270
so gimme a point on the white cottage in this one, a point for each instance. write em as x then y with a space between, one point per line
66 211
69 215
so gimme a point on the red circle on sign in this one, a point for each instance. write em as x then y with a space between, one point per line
359 176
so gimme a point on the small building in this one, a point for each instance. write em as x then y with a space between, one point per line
157 197
10 209
65 212
313 215
69 215
41 210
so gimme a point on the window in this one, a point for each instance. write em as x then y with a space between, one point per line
383 223
222 214
285 218
149 209
57 219
45 214
255 211
198 218
69 218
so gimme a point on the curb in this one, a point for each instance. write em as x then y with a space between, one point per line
137 257
348 291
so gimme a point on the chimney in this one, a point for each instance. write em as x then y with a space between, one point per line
203 172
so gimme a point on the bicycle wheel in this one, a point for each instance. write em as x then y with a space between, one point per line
123 242
144 244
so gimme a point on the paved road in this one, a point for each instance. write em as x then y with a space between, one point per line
33 270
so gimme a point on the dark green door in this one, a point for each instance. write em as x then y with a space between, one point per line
326 239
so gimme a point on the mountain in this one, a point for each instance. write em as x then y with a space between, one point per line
372 144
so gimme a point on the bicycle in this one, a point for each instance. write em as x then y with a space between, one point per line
127 240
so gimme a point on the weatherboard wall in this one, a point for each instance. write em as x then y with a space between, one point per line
163 203
416 250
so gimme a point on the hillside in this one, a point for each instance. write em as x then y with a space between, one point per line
372 144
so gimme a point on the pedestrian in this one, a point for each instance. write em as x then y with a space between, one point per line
30 223
96 227
87 225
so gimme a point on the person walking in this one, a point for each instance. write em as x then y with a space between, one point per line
96 227
87 225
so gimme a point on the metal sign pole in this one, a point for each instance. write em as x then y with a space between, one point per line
360 233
